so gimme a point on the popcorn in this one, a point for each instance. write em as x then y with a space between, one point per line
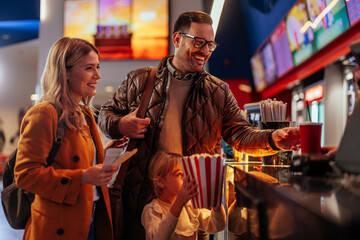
208 172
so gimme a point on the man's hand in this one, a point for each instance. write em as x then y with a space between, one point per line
287 138
132 126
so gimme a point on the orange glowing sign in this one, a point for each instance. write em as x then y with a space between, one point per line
314 93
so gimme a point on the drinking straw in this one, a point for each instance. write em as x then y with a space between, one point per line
272 110
308 110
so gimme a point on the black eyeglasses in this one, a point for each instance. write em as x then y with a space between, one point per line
199 42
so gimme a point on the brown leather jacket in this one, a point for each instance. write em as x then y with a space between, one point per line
210 112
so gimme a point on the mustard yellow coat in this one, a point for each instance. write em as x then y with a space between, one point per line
62 207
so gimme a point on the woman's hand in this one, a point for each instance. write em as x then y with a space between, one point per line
98 175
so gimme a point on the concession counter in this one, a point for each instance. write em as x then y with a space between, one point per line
281 202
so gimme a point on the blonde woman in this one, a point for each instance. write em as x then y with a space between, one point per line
170 215
71 197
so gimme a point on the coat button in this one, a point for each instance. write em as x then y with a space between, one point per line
76 158
60 231
64 181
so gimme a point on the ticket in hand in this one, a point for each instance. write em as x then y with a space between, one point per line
125 156
117 156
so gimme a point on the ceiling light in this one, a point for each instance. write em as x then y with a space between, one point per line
216 13
34 97
245 88
43 10
108 89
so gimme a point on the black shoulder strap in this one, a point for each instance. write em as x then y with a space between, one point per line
140 114
144 102
60 134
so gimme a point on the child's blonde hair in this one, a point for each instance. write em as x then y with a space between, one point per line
161 164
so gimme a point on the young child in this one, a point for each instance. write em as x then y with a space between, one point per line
170 215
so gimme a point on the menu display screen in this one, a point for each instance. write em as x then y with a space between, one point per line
120 29
282 54
268 60
308 27
327 26
80 19
114 13
301 44
353 9
258 72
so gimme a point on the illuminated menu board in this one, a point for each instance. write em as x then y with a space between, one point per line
353 8
258 72
120 29
80 19
268 60
282 54
328 20
308 27
301 44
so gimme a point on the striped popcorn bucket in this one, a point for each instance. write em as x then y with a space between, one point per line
208 171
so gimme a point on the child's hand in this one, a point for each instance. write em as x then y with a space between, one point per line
216 209
187 191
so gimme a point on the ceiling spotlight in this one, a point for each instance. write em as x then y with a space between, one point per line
108 89
34 97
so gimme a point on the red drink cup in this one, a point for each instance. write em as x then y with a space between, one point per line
310 138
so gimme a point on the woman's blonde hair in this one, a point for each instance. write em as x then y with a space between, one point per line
161 164
63 55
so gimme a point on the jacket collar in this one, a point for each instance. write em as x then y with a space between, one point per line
176 74
163 67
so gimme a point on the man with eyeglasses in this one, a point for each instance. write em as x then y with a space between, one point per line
189 112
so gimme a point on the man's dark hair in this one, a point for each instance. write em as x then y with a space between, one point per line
185 19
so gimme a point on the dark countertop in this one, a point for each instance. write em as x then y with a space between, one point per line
297 206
